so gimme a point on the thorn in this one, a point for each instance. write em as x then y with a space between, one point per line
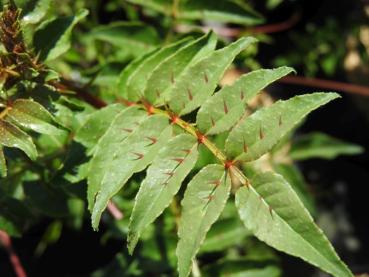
271 212
206 78
225 107
210 198
187 151
242 96
190 96
212 121
280 121
178 160
170 174
127 130
261 134
216 183
245 148
172 77
153 140
139 156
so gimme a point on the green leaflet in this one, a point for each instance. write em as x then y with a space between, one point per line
30 114
319 145
49 46
227 11
97 124
34 11
132 37
165 75
204 200
273 212
224 234
199 81
3 168
120 153
163 180
221 111
136 82
129 70
257 134
12 136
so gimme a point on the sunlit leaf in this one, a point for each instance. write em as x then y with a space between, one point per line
273 212
163 180
203 202
257 134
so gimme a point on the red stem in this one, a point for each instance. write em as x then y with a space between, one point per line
6 241
326 84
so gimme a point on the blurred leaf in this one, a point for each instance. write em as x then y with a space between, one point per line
273 212
52 39
224 234
34 10
46 199
3 167
203 202
244 268
30 114
12 136
294 177
319 145
131 37
97 124
14 216
227 11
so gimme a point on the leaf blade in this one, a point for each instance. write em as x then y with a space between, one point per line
199 81
121 153
199 212
273 212
163 180
258 133
213 118
31 115
12 136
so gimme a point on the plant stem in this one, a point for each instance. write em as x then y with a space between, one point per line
6 241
